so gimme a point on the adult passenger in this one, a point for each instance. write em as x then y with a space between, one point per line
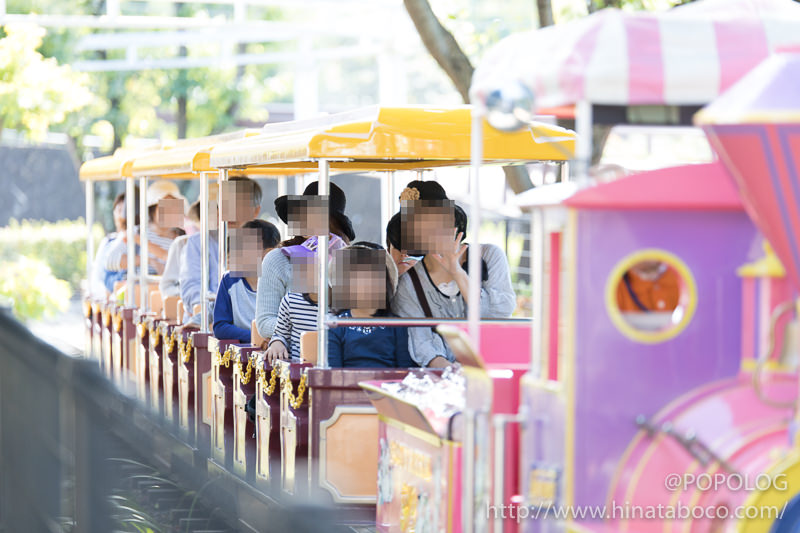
248 194
98 286
276 269
402 260
437 286
170 279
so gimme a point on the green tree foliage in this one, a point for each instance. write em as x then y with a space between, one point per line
60 245
32 289
35 91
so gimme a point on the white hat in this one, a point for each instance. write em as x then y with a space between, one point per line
161 189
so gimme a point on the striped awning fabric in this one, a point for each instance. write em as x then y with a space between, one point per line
684 56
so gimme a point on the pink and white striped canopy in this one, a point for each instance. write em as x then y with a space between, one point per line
685 56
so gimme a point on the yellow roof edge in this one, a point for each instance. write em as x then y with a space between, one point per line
768 266
397 135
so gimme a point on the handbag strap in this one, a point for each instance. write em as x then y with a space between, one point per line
423 300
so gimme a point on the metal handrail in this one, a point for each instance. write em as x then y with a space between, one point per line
335 322
695 447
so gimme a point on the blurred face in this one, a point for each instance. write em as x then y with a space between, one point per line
359 280
307 215
119 216
237 203
304 274
169 213
245 252
427 226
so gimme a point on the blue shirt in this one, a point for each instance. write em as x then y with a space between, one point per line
190 272
234 309
368 347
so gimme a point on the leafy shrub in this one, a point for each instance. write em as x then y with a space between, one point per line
32 288
60 245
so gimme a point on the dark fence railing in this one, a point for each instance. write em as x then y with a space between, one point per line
77 455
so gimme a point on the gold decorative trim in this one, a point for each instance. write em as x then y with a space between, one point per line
286 384
185 349
223 359
155 336
323 446
244 377
117 319
169 342
261 375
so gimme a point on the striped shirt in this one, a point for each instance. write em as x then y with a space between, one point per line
295 315
120 249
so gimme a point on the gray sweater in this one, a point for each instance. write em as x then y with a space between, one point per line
273 284
498 300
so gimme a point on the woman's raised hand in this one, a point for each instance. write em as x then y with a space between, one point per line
451 260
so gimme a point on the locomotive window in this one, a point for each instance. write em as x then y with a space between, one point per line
651 296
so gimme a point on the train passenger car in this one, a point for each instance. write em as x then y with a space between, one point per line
316 432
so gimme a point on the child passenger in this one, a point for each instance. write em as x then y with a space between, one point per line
297 312
364 281
235 305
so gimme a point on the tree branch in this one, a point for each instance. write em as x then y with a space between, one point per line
441 45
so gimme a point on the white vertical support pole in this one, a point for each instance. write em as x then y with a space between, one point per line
474 303
130 214
282 187
322 259
394 198
583 150
144 264
222 227
471 484
203 252
387 205
299 184
89 184
537 237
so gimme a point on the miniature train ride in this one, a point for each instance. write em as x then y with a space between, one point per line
590 406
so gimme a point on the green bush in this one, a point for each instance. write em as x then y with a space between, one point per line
60 245
32 289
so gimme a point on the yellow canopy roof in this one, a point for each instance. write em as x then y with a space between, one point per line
185 159
390 138
113 167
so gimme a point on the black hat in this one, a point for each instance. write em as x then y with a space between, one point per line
337 204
